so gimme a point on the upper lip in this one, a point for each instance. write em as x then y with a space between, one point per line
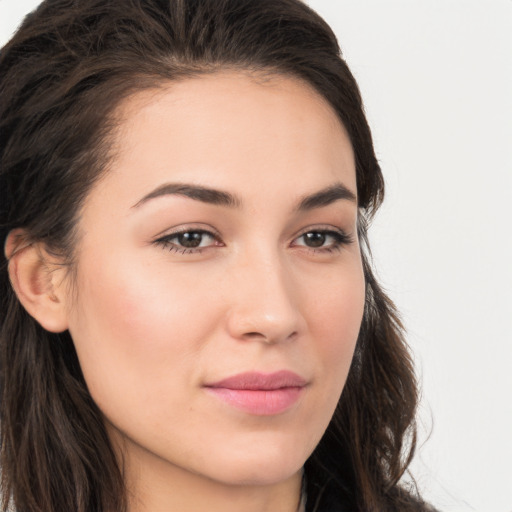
260 381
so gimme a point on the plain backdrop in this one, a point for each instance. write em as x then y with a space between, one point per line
436 77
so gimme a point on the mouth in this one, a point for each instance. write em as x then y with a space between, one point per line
261 394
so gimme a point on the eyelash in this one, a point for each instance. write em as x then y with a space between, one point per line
166 241
340 239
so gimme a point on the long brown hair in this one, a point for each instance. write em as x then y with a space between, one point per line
62 76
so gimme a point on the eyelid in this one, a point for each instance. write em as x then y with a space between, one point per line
184 228
342 237
164 239
323 228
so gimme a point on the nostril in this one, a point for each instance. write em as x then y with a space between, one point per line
254 335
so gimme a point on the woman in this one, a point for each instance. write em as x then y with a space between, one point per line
189 317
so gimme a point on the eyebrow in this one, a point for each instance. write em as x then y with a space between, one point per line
197 192
326 197
318 199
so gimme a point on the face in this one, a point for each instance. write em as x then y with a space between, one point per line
219 288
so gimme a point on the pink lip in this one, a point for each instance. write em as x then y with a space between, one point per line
263 394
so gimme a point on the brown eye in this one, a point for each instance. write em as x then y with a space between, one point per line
323 240
314 239
190 239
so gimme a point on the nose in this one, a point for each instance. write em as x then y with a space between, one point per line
265 304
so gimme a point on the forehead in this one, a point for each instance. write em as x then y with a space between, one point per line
231 129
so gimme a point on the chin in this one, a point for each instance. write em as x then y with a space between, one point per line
259 464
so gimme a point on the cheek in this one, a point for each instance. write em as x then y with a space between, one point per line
133 326
336 307
335 316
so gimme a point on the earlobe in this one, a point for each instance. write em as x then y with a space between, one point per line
37 281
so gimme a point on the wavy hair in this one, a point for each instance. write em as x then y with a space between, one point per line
62 77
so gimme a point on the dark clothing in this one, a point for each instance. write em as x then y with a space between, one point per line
332 497
327 498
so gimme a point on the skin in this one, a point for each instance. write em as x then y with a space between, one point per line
153 323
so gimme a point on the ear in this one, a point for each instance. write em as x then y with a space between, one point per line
38 281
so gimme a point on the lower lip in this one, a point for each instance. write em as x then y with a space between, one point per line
259 402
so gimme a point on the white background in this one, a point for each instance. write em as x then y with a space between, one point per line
436 76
